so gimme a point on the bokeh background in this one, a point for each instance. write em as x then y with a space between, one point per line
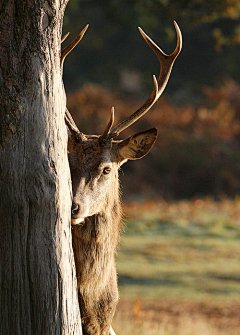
178 260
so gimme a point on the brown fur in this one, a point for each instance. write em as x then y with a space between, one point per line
96 223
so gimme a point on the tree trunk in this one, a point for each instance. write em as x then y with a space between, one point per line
38 291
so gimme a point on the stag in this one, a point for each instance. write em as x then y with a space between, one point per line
94 162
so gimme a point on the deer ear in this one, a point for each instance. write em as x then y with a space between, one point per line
138 145
71 141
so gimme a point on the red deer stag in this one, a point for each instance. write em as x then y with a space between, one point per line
96 210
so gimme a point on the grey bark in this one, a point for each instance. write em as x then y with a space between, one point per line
38 292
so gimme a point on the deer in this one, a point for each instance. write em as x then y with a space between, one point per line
94 162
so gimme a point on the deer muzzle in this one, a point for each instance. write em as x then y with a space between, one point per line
78 213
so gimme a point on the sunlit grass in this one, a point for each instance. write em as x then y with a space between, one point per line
185 251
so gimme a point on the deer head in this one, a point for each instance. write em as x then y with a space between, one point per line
94 160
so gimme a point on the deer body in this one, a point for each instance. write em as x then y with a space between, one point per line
96 210
96 216
94 242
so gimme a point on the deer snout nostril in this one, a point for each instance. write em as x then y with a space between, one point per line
74 209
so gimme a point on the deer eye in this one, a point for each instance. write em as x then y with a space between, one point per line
106 170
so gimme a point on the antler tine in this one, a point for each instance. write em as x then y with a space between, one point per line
166 62
68 118
64 37
72 45
71 124
109 125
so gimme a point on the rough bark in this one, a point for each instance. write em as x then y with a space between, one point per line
37 275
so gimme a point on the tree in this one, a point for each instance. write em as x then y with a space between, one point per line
38 292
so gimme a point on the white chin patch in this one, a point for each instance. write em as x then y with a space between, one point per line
77 221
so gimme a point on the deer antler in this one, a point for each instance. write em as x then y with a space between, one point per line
72 45
64 37
112 332
68 118
72 125
109 125
166 62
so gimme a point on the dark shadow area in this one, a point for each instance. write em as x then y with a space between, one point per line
128 280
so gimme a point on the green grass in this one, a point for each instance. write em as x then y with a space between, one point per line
184 250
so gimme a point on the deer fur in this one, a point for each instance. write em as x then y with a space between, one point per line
97 223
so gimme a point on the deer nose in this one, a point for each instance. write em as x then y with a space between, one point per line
75 209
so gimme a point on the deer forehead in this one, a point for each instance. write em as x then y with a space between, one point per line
91 155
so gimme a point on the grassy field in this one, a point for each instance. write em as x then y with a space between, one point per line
179 268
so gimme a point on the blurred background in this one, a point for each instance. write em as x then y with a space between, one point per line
178 260
198 116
